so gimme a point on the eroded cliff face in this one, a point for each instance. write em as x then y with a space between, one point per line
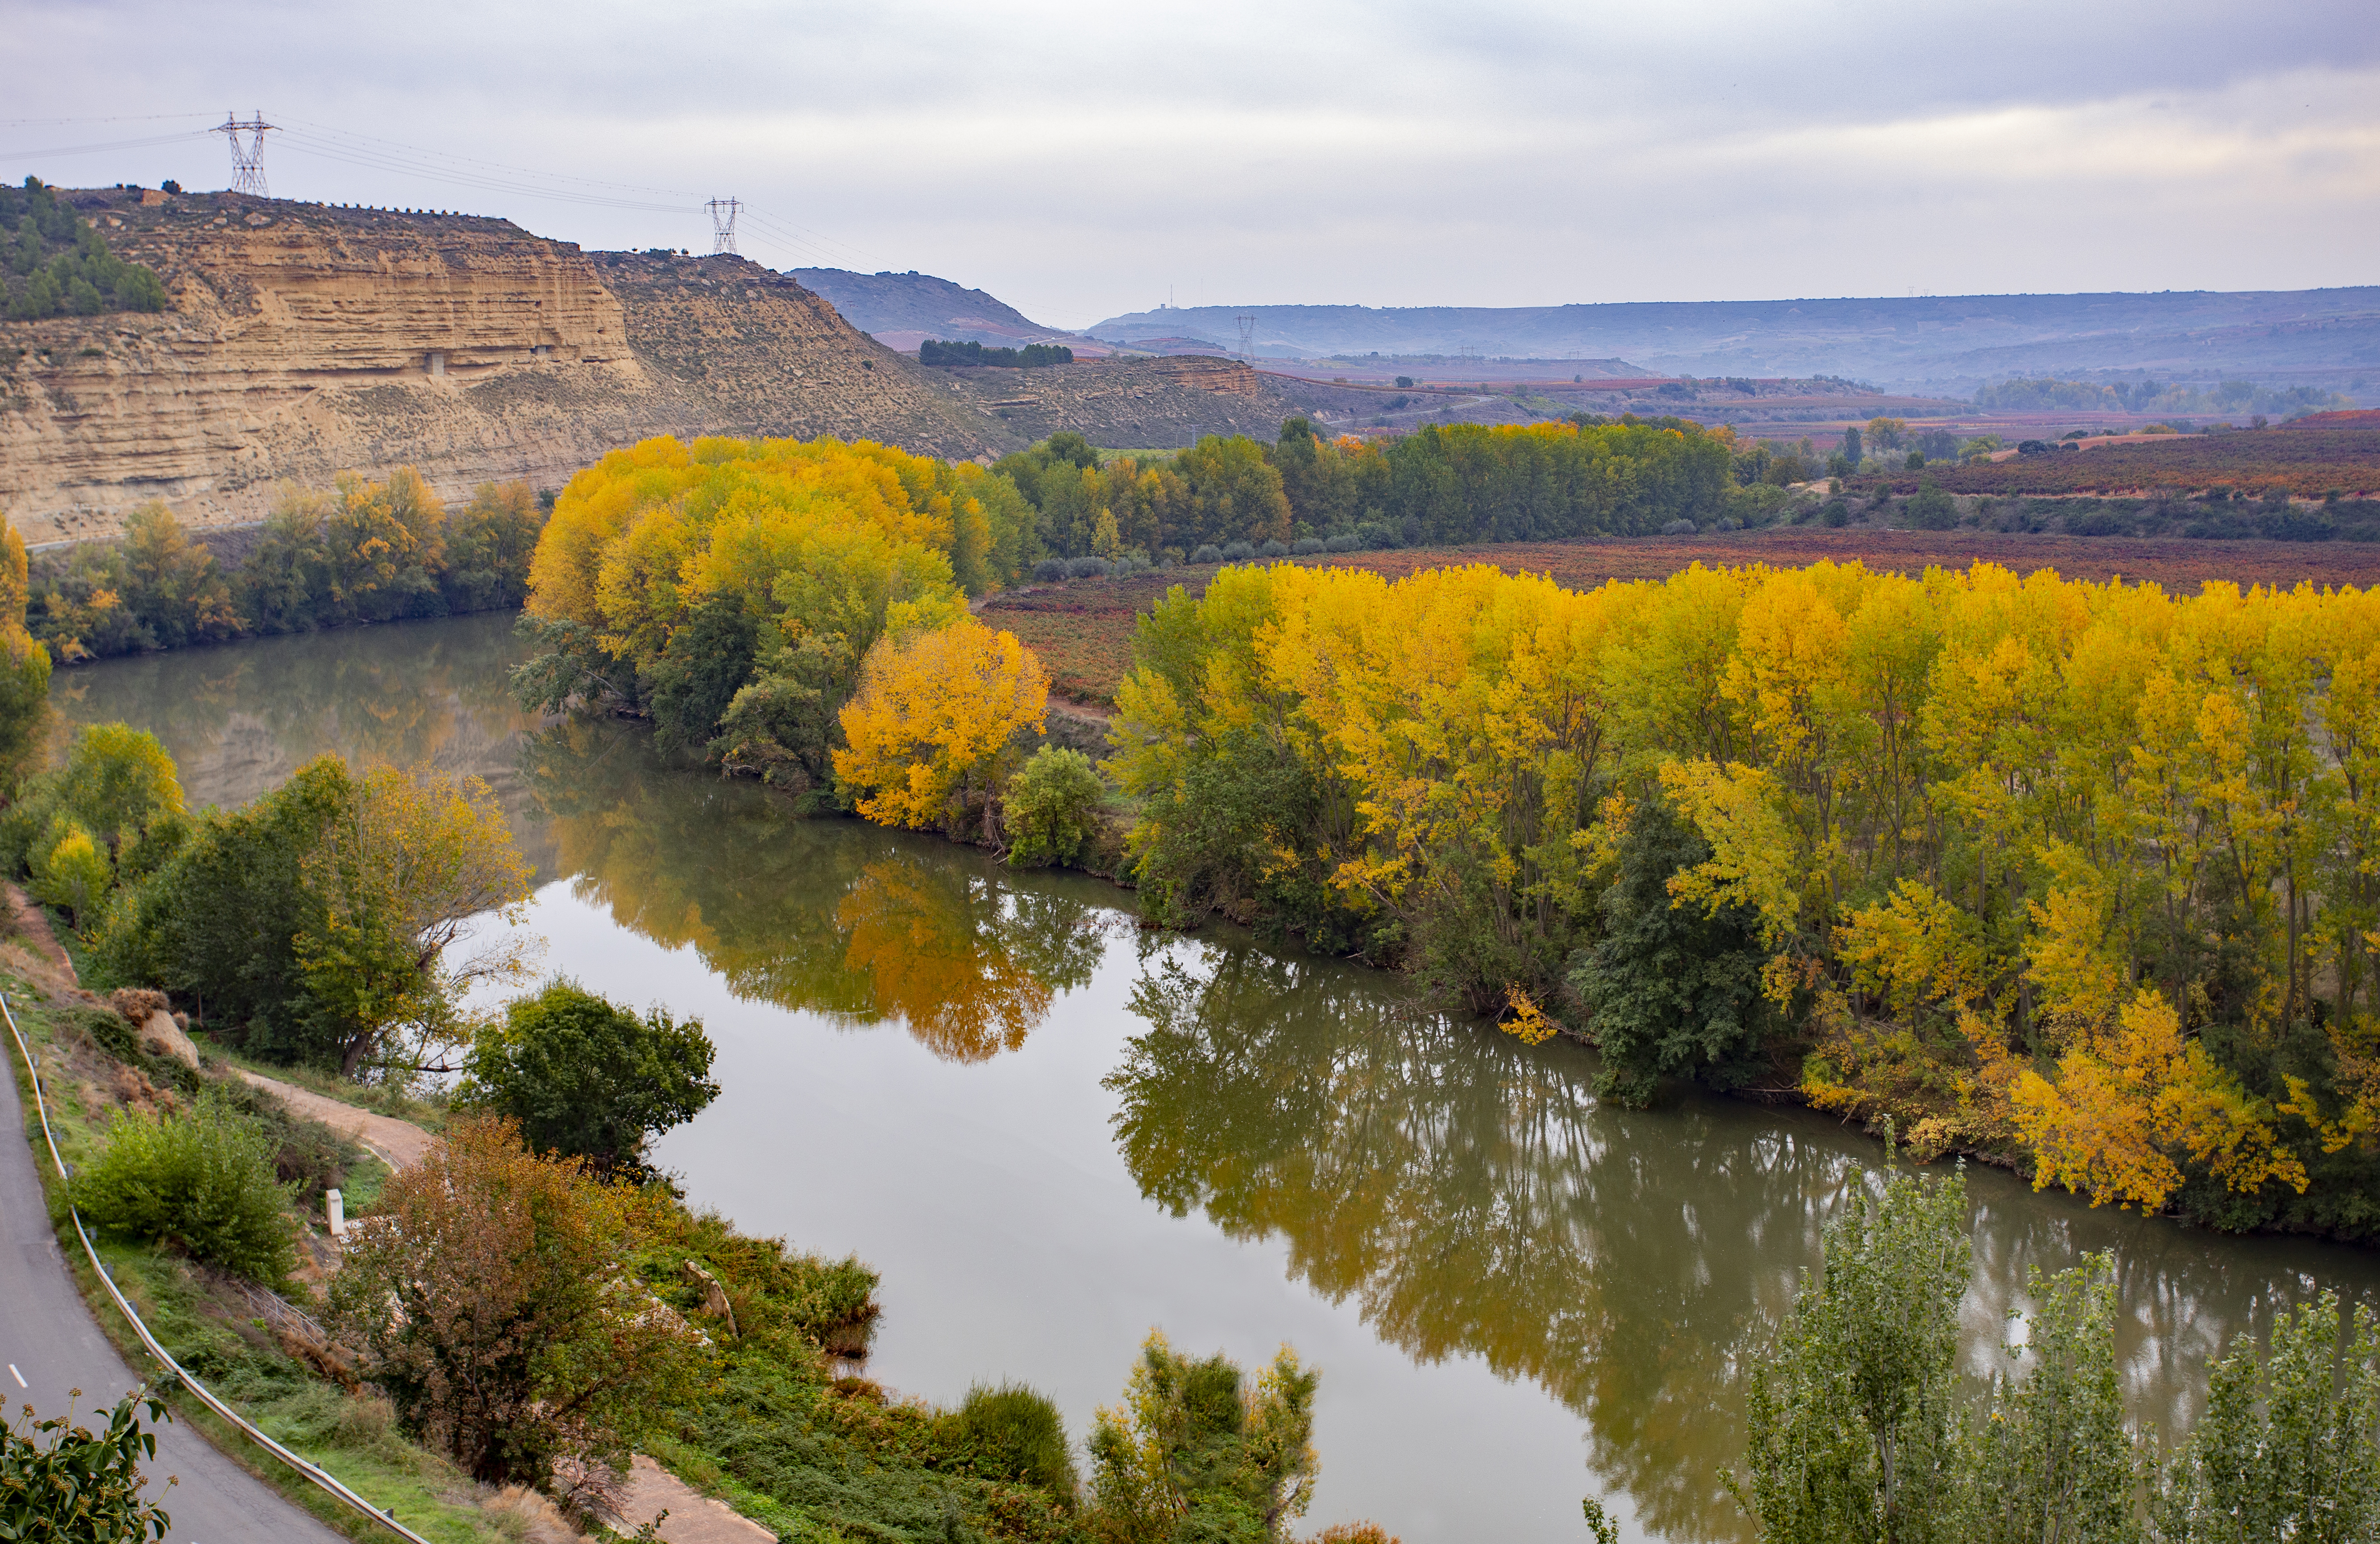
301 341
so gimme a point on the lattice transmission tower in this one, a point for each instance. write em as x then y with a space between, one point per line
723 224
1247 338
247 160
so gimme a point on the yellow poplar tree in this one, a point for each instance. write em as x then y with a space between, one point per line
928 735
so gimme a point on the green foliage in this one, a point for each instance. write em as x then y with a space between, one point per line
587 1078
68 827
2051 1457
2285 1450
216 924
1852 1417
62 1483
1013 1433
1669 990
57 262
1050 807
706 662
935 351
70 871
1195 1453
1932 509
200 1180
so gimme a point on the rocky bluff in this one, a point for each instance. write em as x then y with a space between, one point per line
300 340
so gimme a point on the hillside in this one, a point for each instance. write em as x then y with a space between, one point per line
902 309
299 340
1128 404
2329 337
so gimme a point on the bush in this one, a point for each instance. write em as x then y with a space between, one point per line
60 1481
1049 570
1208 553
1274 549
1932 509
1837 514
1727 522
1011 1433
1088 568
1679 528
587 1078
1047 808
201 1180
1305 547
1345 541
1238 552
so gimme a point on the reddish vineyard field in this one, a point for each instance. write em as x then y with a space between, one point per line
1083 630
2307 463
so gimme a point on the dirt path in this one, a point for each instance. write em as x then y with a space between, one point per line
398 1144
694 1518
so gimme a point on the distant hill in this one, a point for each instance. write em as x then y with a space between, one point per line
2329 337
902 309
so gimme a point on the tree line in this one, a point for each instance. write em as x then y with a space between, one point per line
1442 483
359 551
2150 395
59 265
1033 356
2076 874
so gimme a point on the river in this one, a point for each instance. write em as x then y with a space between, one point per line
1051 1130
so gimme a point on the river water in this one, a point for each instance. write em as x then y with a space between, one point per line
1051 1130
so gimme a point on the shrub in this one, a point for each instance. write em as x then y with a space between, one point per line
587 1078
1047 808
1049 570
491 1305
1013 1433
1679 528
1274 549
1727 522
1837 514
70 871
1088 568
1209 553
1932 509
1196 1451
60 1481
201 1180
1238 552
1345 541
1305 547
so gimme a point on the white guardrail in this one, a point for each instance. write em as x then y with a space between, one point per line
311 1470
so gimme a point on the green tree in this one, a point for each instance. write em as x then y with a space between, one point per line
1852 1417
1235 492
1050 807
171 583
2052 1458
1195 1452
1669 991
1932 509
587 1078
489 546
707 662
62 1483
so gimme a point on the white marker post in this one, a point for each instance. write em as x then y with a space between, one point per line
336 1206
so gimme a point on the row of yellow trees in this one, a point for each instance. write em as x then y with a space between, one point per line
2087 875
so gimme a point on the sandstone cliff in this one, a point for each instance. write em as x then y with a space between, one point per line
301 340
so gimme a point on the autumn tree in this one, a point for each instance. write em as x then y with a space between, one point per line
932 734
493 1297
24 668
401 872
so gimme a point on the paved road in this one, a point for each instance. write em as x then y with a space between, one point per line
49 1345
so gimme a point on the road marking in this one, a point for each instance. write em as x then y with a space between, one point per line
18 1376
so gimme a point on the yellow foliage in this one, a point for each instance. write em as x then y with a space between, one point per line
929 732
1529 1023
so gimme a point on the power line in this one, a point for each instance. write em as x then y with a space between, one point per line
723 226
112 145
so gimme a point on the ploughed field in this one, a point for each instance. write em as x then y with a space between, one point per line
2307 463
1082 628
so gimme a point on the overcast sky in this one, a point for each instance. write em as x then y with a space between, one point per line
1081 160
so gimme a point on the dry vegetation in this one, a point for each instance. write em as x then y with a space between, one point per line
2307 463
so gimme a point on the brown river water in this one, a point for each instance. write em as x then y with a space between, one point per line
1051 1130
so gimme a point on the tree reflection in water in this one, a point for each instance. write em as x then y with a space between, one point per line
825 916
1467 1193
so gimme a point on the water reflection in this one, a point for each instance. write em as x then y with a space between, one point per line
1461 1191
1467 1194
861 924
